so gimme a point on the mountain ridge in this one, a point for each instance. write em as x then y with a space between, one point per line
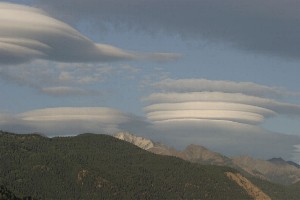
275 170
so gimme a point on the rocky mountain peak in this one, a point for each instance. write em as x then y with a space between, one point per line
136 140
280 161
197 153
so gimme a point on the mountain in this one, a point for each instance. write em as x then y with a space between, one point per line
275 170
280 161
294 164
149 145
136 140
90 166
199 154
193 153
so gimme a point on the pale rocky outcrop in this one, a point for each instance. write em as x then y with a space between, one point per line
250 188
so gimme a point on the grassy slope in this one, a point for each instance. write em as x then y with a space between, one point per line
92 166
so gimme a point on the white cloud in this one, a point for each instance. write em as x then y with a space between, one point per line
100 114
28 33
173 97
236 116
67 120
208 110
222 115
209 106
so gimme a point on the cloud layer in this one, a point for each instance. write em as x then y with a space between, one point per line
261 26
28 33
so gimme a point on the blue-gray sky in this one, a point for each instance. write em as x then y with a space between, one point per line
223 74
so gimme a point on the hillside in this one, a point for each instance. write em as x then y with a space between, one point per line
274 170
92 166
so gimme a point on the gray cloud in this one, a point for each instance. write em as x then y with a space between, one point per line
67 91
28 33
263 26
199 85
66 79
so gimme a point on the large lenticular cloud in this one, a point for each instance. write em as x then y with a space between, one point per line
208 110
67 120
262 26
200 99
28 33
224 116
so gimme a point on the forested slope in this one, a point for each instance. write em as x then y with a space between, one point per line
93 166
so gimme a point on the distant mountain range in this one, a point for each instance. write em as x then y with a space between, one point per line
275 170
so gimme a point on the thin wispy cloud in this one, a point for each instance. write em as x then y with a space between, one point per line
204 85
66 79
68 91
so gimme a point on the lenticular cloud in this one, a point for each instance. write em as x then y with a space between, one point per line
215 101
28 33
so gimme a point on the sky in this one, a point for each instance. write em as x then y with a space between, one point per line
219 73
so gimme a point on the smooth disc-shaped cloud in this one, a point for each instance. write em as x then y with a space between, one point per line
174 97
209 106
236 112
101 114
236 116
28 33
194 100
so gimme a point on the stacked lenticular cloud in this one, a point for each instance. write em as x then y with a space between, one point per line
217 101
28 34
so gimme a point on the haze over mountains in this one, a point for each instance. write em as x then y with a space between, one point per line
275 170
